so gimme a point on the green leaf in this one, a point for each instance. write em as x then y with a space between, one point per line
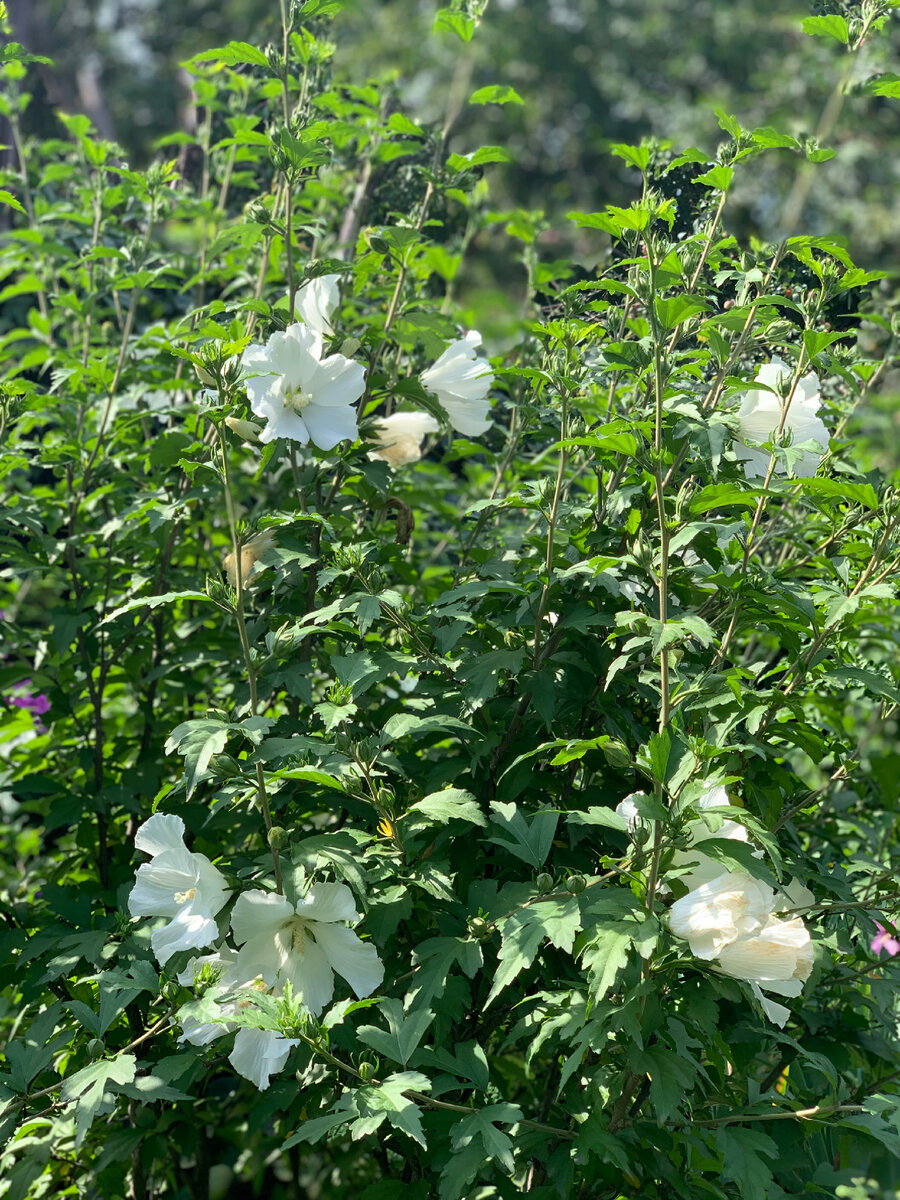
719 178
452 804
742 1151
197 741
635 156
528 840
156 601
448 21
389 1100
526 930
312 1131
885 85
478 158
604 953
672 1076
658 748
233 54
496 93
736 856
406 1032
482 1126
831 26
434 959
409 725
9 198
674 311
92 1088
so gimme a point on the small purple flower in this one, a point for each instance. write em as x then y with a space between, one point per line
883 940
36 704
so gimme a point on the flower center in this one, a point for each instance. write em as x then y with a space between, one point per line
297 399
298 936
184 897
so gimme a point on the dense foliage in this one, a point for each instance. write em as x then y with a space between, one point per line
434 771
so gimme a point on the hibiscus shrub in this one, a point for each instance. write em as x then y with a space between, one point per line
438 765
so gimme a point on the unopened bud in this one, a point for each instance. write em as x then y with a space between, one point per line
258 212
480 929
245 430
616 754
640 834
278 838
95 1048
544 883
576 884
349 346
204 376
777 330
366 1071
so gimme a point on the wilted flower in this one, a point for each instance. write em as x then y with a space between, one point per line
731 906
779 958
461 381
883 940
316 301
301 395
760 415
305 944
251 552
257 1053
177 884
399 437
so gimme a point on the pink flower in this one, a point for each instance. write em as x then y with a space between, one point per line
883 940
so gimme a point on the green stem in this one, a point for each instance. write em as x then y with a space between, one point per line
261 792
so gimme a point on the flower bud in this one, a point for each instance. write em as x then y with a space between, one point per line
278 838
777 330
576 884
349 346
480 929
245 430
366 1071
204 376
616 754
544 883
95 1048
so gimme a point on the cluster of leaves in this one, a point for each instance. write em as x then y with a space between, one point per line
439 682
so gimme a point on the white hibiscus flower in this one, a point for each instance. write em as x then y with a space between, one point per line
399 437
731 906
257 1053
300 395
177 884
760 416
305 944
707 868
461 381
779 958
316 301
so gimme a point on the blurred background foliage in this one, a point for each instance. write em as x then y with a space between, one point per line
590 72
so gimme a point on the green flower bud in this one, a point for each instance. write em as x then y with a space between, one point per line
366 1071
576 884
480 929
278 838
616 754
544 883
95 1048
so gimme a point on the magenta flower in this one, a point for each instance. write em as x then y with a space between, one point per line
883 940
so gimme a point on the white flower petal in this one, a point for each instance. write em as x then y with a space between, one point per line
354 960
731 906
462 382
328 426
627 810
338 380
777 1013
162 831
309 972
328 902
201 1033
188 931
316 301
399 437
259 914
259 1054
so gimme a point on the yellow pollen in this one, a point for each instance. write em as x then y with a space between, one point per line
297 400
183 897
298 936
